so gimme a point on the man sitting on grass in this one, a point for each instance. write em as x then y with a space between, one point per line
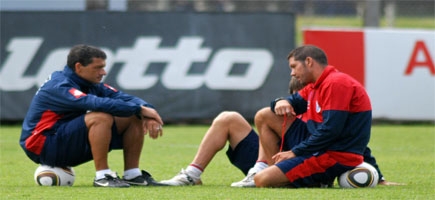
243 151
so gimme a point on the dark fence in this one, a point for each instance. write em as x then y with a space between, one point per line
189 65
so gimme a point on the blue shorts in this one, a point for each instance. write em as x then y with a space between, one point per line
245 154
319 169
296 133
313 170
69 146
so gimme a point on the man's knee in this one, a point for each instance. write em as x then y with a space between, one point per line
270 177
94 118
227 117
263 114
260 180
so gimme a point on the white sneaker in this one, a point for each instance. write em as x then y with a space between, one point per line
182 179
248 181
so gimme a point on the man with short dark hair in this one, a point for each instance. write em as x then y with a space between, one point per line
339 115
74 118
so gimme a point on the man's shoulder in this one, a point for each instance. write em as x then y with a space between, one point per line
341 78
56 80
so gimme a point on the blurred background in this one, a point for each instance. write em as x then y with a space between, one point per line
333 13
387 45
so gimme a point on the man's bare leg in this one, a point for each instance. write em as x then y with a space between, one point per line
271 177
269 128
133 138
99 125
227 126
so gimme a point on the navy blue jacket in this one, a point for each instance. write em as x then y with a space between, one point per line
65 96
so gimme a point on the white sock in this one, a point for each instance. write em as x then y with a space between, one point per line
193 171
132 173
100 173
259 165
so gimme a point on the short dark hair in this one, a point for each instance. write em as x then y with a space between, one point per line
83 54
302 52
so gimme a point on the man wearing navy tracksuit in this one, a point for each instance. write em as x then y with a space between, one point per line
74 118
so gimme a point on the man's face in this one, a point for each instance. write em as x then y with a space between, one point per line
299 71
93 72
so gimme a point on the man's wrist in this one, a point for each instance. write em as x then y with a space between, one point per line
273 103
279 99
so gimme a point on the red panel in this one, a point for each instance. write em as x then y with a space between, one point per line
345 49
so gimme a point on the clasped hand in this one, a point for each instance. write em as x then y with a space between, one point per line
152 123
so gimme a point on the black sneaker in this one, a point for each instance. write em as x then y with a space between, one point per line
328 185
143 180
110 180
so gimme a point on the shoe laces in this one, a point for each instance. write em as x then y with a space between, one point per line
187 176
249 177
145 174
113 177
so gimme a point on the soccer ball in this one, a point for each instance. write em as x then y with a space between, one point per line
54 176
363 175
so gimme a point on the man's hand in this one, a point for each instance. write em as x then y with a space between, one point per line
154 128
283 107
149 113
280 156
389 183
152 122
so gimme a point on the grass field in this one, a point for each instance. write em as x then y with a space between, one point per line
405 153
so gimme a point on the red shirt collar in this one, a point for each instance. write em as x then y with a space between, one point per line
328 70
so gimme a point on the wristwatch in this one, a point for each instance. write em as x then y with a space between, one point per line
279 99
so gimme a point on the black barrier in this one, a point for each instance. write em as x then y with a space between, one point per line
191 66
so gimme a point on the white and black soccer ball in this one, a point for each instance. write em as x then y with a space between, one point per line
54 176
363 175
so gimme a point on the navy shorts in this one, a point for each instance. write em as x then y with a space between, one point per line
245 154
296 133
69 146
319 169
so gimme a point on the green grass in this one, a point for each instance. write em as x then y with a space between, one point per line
405 154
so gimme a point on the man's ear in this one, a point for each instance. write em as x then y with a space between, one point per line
309 61
77 67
